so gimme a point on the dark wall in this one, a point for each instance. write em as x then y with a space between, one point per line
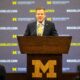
22 76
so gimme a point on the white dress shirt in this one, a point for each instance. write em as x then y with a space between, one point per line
42 25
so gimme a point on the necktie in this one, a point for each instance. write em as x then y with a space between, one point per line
39 30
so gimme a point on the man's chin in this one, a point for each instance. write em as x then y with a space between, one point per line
40 21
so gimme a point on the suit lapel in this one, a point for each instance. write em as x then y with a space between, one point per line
45 28
35 28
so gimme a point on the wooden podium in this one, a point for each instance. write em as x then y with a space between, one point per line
44 55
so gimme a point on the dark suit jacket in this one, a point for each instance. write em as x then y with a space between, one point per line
49 29
2 72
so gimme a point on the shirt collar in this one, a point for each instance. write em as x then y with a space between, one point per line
43 23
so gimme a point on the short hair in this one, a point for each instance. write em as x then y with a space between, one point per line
40 8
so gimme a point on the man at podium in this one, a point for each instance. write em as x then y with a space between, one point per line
44 57
41 27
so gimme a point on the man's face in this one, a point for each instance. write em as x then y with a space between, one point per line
40 15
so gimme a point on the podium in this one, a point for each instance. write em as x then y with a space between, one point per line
44 55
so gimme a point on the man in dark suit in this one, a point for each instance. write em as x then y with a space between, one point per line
41 27
2 72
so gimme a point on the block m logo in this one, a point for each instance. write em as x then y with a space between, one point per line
48 66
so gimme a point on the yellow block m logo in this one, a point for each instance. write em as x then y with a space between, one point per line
48 66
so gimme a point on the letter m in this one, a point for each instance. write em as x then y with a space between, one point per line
48 66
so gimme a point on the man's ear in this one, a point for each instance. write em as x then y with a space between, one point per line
45 15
